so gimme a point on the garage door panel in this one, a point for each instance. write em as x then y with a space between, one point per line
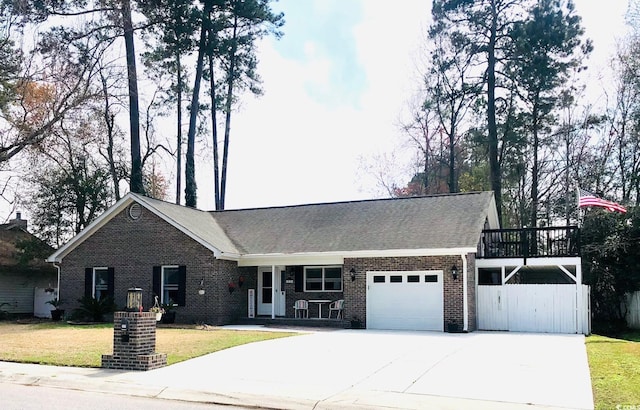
405 300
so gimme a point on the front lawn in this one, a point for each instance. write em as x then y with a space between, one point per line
615 370
83 345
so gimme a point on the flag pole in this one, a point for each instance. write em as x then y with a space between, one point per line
578 205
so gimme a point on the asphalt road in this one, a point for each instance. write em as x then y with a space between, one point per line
19 397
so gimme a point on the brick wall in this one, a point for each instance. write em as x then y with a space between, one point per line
133 248
471 290
355 292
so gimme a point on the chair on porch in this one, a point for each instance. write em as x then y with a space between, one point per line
302 306
337 307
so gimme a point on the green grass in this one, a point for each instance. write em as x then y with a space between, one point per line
62 344
615 370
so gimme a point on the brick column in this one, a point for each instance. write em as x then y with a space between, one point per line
138 352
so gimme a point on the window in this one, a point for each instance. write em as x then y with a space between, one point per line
395 279
323 279
169 284
98 282
413 279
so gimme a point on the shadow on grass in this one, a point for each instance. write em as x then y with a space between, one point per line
618 337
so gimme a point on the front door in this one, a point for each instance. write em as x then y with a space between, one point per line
267 289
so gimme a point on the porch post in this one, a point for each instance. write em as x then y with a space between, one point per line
465 291
273 291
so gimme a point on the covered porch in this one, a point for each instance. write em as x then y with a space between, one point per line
273 292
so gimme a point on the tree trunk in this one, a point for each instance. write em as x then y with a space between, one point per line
214 129
533 216
494 165
109 121
179 131
227 123
190 177
453 185
134 111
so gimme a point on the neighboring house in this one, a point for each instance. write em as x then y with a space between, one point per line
405 263
24 274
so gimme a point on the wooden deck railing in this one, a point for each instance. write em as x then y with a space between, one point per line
547 242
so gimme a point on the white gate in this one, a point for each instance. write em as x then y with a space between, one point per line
550 308
40 298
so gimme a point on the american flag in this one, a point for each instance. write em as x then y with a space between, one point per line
588 199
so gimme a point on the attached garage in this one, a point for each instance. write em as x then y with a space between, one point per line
405 300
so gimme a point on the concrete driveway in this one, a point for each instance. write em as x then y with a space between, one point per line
364 368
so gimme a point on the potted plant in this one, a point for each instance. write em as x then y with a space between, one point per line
356 323
157 309
169 315
232 287
56 312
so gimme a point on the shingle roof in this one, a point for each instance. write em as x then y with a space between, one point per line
438 222
200 223
430 222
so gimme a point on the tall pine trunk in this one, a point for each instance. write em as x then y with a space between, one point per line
214 127
179 130
533 216
109 121
136 184
453 181
228 102
190 172
494 165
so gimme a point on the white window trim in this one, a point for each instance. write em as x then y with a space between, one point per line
304 278
162 268
93 278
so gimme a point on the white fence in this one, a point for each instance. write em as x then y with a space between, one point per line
551 308
633 314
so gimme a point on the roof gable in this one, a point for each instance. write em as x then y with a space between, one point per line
198 225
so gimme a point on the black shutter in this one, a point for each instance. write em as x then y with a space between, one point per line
299 279
157 282
88 282
111 283
182 285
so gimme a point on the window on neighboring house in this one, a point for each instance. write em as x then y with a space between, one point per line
169 283
98 282
323 279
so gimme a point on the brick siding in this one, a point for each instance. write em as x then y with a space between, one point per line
133 248
355 292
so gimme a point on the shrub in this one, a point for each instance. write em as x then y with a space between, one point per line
93 309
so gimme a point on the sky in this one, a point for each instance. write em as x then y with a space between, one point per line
335 88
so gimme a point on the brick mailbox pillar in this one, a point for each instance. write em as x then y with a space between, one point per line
134 344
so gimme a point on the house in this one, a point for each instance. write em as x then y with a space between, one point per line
24 274
405 263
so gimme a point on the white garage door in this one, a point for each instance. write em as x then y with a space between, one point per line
405 300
